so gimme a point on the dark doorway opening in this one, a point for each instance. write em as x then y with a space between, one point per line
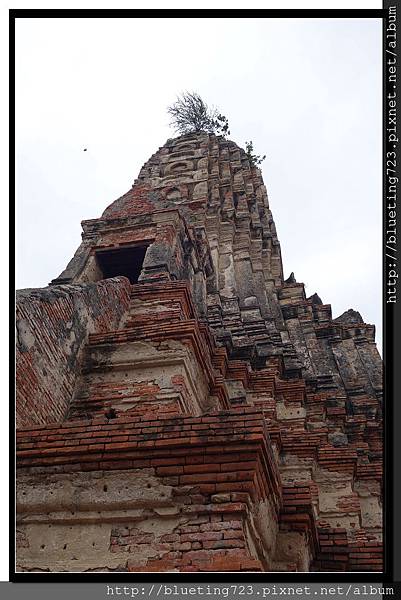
122 261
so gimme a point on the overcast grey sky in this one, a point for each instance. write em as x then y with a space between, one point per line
306 91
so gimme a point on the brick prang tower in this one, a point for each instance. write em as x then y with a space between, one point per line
182 407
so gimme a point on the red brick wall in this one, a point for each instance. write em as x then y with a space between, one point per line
52 326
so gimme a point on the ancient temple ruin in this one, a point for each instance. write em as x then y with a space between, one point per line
182 407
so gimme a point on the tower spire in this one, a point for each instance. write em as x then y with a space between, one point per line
181 406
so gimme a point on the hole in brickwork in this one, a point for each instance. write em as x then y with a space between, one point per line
105 488
111 413
65 547
126 261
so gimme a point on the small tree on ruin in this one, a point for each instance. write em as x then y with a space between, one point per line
254 159
191 114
